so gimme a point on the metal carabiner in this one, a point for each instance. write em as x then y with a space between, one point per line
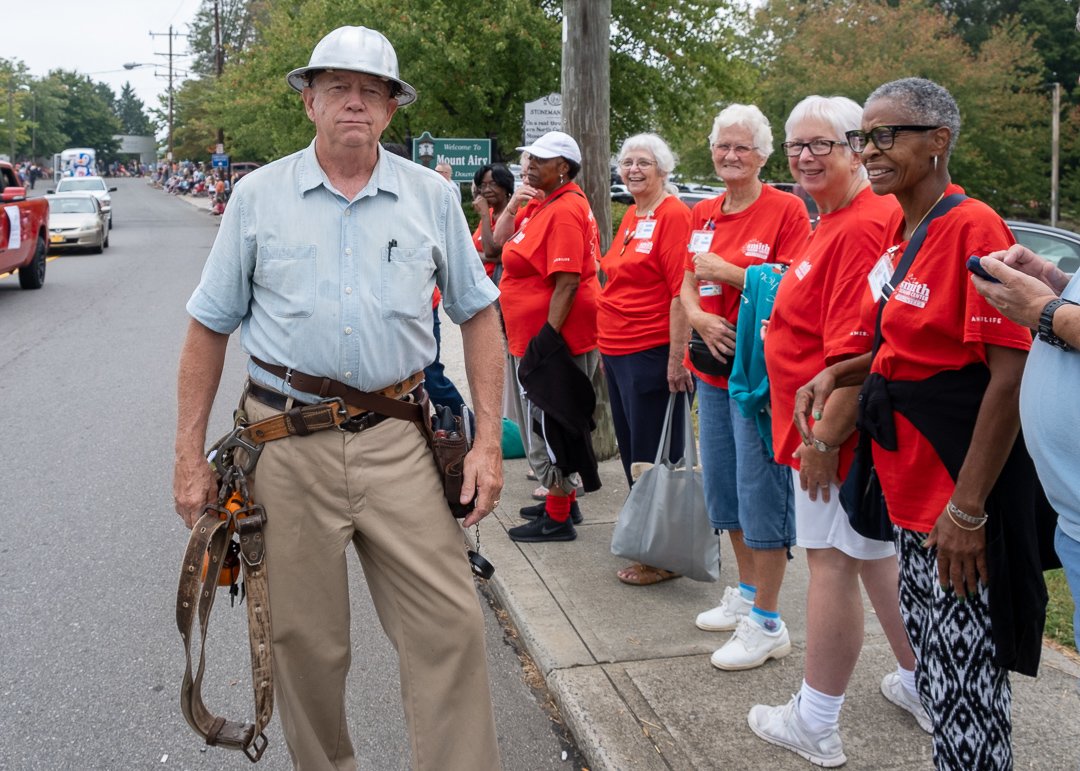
225 456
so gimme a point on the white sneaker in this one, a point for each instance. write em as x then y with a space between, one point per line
783 727
751 646
725 616
892 688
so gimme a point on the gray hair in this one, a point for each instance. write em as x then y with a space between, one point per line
749 117
661 152
927 102
842 115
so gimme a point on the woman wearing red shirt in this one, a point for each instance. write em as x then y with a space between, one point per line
492 186
816 321
747 493
945 353
549 278
640 322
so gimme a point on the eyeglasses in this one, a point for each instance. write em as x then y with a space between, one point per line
817 147
641 163
740 150
883 137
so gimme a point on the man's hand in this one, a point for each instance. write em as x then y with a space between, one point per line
678 377
1020 296
1019 257
194 486
483 478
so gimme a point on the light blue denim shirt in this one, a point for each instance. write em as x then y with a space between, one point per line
338 288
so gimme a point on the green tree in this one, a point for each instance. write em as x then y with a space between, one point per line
45 111
1000 155
239 20
88 119
131 112
14 128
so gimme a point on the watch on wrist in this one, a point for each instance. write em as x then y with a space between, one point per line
1046 324
820 446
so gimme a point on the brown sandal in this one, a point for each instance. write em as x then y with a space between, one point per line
640 574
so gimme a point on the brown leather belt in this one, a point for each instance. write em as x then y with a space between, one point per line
303 418
325 388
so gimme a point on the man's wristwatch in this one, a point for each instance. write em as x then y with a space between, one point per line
1046 324
820 446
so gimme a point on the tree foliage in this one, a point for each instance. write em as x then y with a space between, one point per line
87 119
238 20
131 112
850 47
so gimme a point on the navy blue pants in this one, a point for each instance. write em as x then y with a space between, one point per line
439 387
638 389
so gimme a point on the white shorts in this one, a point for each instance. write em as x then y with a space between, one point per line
820 525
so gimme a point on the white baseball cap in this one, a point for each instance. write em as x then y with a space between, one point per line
553 145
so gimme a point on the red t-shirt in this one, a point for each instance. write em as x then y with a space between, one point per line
644 269
774 228
489 267
935 321
559 236
816 319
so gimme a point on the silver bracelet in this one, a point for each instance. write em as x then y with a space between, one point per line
955 512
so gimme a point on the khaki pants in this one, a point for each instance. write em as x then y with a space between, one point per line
379 490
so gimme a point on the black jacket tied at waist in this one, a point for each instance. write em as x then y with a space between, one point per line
565 395
943 408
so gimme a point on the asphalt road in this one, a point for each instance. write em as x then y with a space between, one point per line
90 659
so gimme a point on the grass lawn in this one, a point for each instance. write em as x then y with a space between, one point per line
1059 612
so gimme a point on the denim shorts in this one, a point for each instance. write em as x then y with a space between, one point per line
745 489
1068 551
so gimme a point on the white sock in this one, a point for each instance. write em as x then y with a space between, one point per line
819 711
907 677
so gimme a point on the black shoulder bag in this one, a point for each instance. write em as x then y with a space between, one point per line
861 496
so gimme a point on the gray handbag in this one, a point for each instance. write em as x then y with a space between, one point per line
664 522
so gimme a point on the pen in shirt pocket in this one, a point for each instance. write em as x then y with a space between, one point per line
389 247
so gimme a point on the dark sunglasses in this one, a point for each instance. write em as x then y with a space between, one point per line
883 137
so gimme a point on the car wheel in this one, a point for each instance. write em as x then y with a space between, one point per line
110 224
106 242
32 276
100 244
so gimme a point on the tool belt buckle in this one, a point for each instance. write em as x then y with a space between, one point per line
255 750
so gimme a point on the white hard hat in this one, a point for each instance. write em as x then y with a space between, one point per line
357 49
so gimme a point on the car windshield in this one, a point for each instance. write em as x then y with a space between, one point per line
72 205
1065 254
81 184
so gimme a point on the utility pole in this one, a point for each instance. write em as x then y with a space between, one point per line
219 61
1055 150
170 34
586 105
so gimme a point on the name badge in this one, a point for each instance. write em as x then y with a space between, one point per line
708 289
644 229
700 241
880 275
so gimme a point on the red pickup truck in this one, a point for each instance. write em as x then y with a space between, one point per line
24 228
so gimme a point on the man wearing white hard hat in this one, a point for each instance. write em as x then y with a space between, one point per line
327 261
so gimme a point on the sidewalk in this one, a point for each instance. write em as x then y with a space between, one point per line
631 673
632 677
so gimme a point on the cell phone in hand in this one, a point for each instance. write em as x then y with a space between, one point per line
975 266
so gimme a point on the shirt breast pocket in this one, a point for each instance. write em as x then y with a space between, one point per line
408 282
284 280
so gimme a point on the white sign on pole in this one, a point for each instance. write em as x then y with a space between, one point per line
542 116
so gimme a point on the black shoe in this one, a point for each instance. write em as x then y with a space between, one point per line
543 528
534 511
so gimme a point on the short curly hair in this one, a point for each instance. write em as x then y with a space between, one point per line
928 104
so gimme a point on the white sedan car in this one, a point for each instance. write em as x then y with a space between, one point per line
77 220
95 185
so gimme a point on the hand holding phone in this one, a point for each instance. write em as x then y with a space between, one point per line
974 264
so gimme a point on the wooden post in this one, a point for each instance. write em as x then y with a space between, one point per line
1055 149
586 104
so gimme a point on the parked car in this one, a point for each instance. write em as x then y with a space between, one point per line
795 189
76 220
1056 244
241 168
24 223
95 185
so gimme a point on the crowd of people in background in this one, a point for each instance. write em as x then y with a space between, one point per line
804 372
193 178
